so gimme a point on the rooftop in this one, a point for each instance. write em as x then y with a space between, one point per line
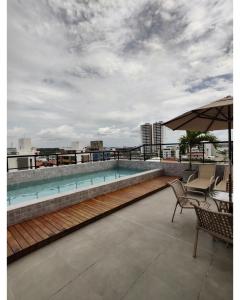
135 253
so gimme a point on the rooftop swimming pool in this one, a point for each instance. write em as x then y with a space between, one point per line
24 192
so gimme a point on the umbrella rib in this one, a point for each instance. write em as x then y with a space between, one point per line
197 115
218 113
175 119
225 116
211 118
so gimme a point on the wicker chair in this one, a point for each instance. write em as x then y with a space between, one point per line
204 180
223 206
217 224
223 185
183 200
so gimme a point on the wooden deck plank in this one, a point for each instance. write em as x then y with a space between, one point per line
87 210
60 220
48 224
29 235
25 234
31 232
93 208
76 212
19 238
79 211
101 204
73 215
43 226
9 251
38 230
13 242
70 218
50 218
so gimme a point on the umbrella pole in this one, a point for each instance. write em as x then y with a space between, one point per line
230 154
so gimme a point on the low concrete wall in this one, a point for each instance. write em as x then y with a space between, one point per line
178 169
139 164
51 172
24 211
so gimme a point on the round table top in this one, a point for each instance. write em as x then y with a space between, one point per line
219 195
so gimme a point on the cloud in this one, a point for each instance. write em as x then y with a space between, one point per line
16 131
98 69
61 132
109 131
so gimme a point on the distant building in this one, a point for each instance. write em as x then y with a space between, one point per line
11 151
209 150
96 145
158 135
206 150
101 156
24 162
25 146
76 145
170 152
146 135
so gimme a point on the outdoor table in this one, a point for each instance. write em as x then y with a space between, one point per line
222 201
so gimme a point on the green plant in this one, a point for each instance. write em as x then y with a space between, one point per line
194 138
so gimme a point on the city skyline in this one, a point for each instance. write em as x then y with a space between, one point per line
80 70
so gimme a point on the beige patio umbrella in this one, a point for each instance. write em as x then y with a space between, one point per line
217 115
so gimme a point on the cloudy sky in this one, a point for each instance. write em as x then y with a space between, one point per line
83 70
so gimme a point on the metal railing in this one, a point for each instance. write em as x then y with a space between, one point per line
160 152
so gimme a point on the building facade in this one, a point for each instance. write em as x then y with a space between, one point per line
25 146
146 135
158 135
96 145
152 134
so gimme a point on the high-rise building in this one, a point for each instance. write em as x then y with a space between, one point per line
146 134
158 135
96 145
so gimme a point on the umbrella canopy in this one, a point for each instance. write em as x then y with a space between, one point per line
217 115
214 116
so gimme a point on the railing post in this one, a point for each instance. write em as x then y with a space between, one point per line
180 154
103 155
118 155
7 165
75 158
144 154
35 161
130 155
57 159
203 153
160 151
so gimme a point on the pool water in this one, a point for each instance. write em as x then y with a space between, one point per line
35 190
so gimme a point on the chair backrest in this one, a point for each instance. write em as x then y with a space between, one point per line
226 173
178 188
217 224
206 171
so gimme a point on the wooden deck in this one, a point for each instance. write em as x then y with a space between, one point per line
30 235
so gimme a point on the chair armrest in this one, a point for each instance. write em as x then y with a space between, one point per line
204 205
192 199
216 181
197 192
211 182
191 177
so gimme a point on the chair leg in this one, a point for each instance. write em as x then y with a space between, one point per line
174 211
181 211
195 243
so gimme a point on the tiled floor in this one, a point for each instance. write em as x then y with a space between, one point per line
135 253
